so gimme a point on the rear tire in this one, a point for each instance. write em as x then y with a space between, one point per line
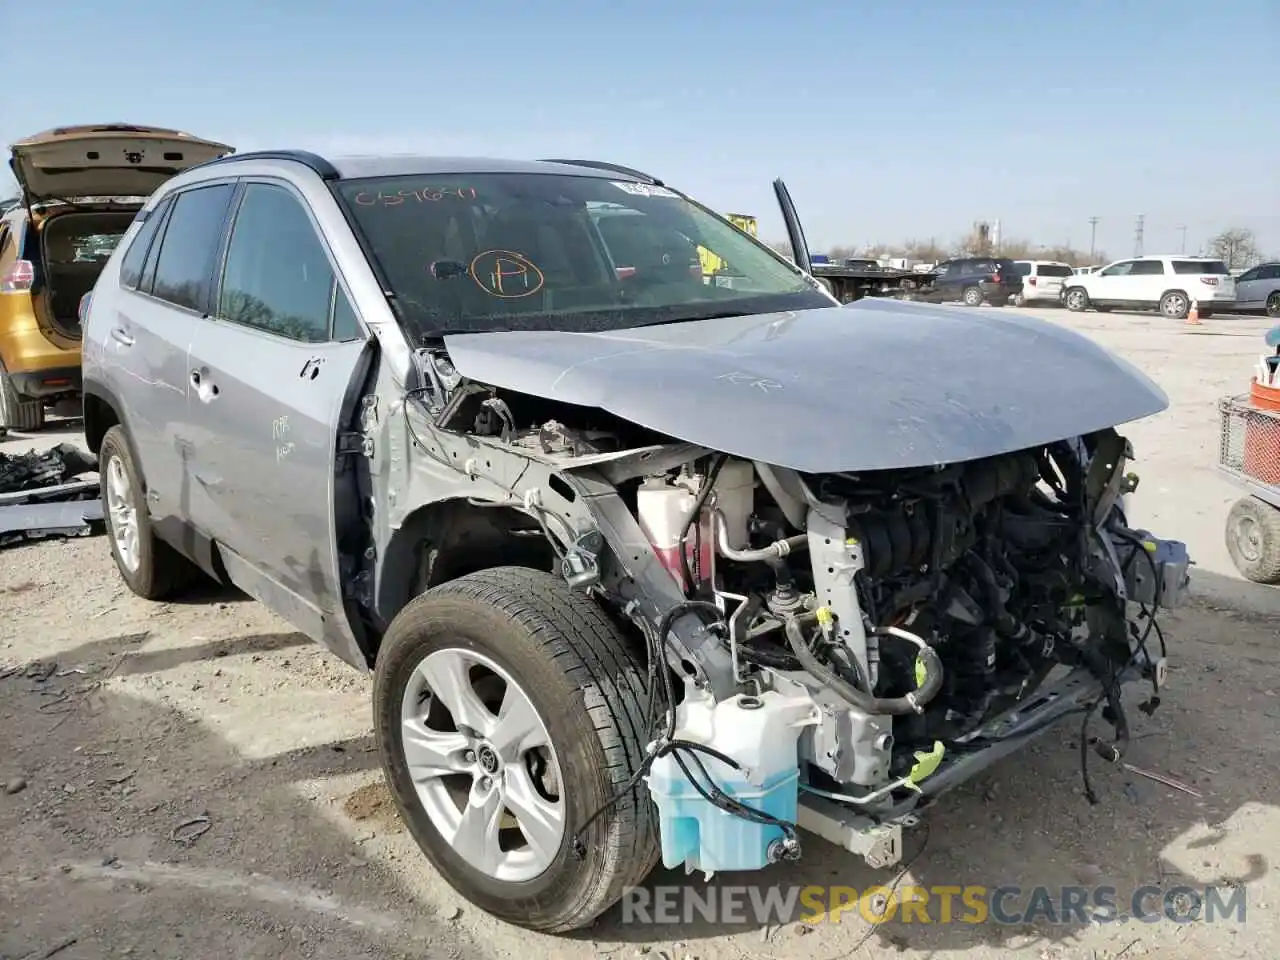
971 296
149 567
573 667
1253 540
16 413
1273 304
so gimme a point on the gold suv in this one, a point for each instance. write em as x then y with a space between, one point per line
80 189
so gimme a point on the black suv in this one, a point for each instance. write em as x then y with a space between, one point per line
973 280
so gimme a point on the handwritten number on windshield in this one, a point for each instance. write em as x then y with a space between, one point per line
421 195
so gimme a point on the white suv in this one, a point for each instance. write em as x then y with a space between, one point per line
1041 280
1167 284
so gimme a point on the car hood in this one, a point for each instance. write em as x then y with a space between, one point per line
877 385
106 160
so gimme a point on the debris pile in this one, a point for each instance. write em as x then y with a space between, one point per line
47 494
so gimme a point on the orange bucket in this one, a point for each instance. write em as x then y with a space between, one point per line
1262 435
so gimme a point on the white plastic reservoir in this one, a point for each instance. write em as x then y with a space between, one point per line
758 732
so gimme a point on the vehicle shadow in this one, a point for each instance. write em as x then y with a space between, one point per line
1026 825
130 827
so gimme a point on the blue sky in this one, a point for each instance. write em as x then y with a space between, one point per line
888 122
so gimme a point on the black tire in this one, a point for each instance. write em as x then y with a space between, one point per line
588 689
1253 540
16 413
1273 304
1175 305
161 571
971 297
1075 299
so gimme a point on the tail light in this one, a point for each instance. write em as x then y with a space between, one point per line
19 277
1209 281
1031 281
995 278
625 273
83 311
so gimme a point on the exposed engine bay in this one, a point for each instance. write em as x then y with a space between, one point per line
835 650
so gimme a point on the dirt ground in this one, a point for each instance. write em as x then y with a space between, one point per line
196 780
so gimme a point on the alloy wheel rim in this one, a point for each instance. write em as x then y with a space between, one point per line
482 764
1174 305
123 515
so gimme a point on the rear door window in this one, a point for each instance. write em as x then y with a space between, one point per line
1212 267
136 255
184 267
1147 268
1054 270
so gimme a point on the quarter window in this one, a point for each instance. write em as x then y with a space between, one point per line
136 255
184 267
278 277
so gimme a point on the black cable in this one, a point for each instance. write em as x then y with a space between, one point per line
689 583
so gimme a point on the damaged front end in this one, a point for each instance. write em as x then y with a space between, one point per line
828 650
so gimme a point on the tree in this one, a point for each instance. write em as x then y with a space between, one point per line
1236 247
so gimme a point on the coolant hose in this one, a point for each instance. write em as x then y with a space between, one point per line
913 702
774 551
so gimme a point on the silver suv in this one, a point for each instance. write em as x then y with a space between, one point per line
644 565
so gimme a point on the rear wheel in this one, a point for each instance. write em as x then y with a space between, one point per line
1253 540
972 297
1273 304
150 567
1076 300
16 413
1175 305
508 710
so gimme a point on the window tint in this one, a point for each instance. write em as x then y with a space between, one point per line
136 255
277 276
1022 268
1271 272
1215 267
1147 268
185 263
1054 270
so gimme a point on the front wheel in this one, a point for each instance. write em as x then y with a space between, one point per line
1253 540
1076 300
1175 305
508 710
972 297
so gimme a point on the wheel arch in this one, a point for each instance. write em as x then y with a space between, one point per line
448 539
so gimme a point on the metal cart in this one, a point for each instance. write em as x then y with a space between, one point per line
1249 456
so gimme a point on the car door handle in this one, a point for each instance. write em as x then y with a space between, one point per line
311 369
205 387
121 335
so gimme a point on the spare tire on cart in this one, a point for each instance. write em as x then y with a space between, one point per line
1249 455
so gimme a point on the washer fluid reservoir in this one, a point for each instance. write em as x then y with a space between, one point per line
759 733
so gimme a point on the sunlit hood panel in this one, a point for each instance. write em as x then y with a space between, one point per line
878 385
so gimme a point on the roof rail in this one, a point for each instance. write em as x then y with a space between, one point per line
322 167
614 167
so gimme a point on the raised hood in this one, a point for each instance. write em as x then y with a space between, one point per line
876 385
107 160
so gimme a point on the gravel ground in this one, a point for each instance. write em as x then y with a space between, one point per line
196 780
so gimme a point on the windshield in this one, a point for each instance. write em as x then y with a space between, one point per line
490 252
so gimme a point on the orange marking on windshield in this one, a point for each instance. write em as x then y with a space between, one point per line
506 274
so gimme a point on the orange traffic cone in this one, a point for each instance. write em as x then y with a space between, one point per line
1193 315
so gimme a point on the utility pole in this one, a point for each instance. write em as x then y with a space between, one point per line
1137 236
1182 228
1093 237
